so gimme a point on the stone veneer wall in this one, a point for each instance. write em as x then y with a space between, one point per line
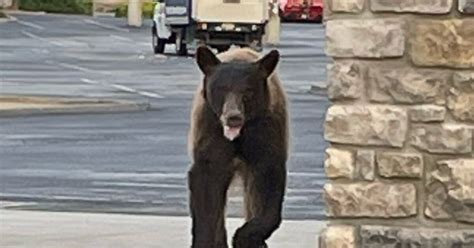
400 164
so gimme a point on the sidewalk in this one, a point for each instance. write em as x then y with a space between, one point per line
57 230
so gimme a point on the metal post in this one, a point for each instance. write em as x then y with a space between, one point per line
135 13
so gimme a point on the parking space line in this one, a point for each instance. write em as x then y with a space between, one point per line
124 88
83 69
36 37
150 94
103 25
75 67
88 81
30 24
122 38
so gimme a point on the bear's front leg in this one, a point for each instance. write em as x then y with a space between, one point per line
209 179
266 194
264 148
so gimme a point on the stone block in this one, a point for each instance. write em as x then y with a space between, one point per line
366 125
391 164
407 85
466 6
339 163
373 200
450 191
395 237
345 80
414 6
376 38
446 43
427 113
442 139
365 164
348 6
340 236
461 96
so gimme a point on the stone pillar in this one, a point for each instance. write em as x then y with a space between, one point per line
273 27
6 4
135 13
401 128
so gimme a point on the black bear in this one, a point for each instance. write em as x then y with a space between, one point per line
239 125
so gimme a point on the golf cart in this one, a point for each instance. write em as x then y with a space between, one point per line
216 23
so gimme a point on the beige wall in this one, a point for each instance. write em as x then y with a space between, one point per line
401 160
5 3
109 5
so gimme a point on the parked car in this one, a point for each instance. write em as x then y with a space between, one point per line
302 10
216 23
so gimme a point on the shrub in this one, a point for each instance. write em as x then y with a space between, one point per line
147 10
58 6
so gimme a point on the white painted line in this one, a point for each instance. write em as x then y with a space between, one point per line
88 81
30 24
83 69
103 25
32 35
150 94
124 88
75 67
118 37
36 37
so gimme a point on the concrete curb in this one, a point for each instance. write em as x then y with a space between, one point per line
8 18
318 88
61 229
27 105
22 12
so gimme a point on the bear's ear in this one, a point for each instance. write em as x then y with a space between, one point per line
268 63
206 60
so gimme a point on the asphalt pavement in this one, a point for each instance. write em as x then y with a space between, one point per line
133 162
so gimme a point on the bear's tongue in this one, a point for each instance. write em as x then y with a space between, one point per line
231 132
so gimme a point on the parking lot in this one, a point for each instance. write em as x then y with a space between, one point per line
133 162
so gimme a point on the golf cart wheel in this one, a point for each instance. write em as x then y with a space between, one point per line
181 47
157 43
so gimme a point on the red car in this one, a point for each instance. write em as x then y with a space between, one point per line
301 10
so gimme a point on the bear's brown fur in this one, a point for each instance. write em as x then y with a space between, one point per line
240 93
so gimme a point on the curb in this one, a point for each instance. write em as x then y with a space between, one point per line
318 88
23 12
60 105
8 18
68 229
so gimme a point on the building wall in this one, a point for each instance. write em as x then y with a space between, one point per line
401 160
5 3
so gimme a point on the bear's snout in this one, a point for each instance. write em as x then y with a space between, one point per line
235 120
232 123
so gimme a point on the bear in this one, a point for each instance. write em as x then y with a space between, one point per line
239 126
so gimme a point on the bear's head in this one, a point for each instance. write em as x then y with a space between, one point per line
236 91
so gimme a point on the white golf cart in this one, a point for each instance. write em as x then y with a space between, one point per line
216 23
